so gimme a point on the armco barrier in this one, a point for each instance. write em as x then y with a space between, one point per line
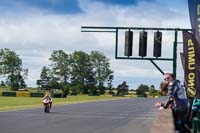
22 94
164 123
9 93
36 94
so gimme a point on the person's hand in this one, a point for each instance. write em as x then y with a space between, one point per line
157 104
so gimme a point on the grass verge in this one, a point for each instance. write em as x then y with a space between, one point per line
14 103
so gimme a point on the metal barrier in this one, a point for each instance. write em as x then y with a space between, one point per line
196 122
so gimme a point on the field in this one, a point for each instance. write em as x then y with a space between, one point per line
13 103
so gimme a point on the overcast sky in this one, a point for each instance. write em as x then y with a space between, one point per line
34 28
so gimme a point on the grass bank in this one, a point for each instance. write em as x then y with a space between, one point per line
13 103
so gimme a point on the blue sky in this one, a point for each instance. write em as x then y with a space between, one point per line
72 6
34 28
60 6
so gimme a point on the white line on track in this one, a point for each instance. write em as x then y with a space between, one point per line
80 116
145 118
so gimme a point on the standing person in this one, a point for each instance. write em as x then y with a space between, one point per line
164 91
178 101
163 87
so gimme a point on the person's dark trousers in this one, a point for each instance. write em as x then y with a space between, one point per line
180 119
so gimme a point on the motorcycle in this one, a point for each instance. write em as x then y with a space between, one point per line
47 105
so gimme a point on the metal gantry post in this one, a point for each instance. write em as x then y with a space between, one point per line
175 53
116 48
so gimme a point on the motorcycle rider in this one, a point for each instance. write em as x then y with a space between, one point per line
48 97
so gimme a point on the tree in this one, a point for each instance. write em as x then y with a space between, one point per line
142 89
44 78
82 71
11 68
60 65
122 88
153 92
53 84
109 83
65 88
101 67
3 83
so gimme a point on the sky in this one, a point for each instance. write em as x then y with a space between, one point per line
34 28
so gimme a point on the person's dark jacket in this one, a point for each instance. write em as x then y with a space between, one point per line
177 96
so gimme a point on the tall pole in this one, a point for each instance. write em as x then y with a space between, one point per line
175 53
116 42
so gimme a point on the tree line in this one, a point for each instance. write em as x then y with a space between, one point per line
65 71
77 72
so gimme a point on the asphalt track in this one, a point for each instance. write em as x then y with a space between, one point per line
118 116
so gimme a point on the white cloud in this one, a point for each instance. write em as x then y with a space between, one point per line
35 34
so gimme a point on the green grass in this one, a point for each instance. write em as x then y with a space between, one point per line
13 103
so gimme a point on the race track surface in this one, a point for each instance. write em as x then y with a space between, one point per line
117 116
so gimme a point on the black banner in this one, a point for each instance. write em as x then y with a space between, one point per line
194 51
194 12
189 64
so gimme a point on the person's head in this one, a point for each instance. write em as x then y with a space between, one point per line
163 87
169 77
47 93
